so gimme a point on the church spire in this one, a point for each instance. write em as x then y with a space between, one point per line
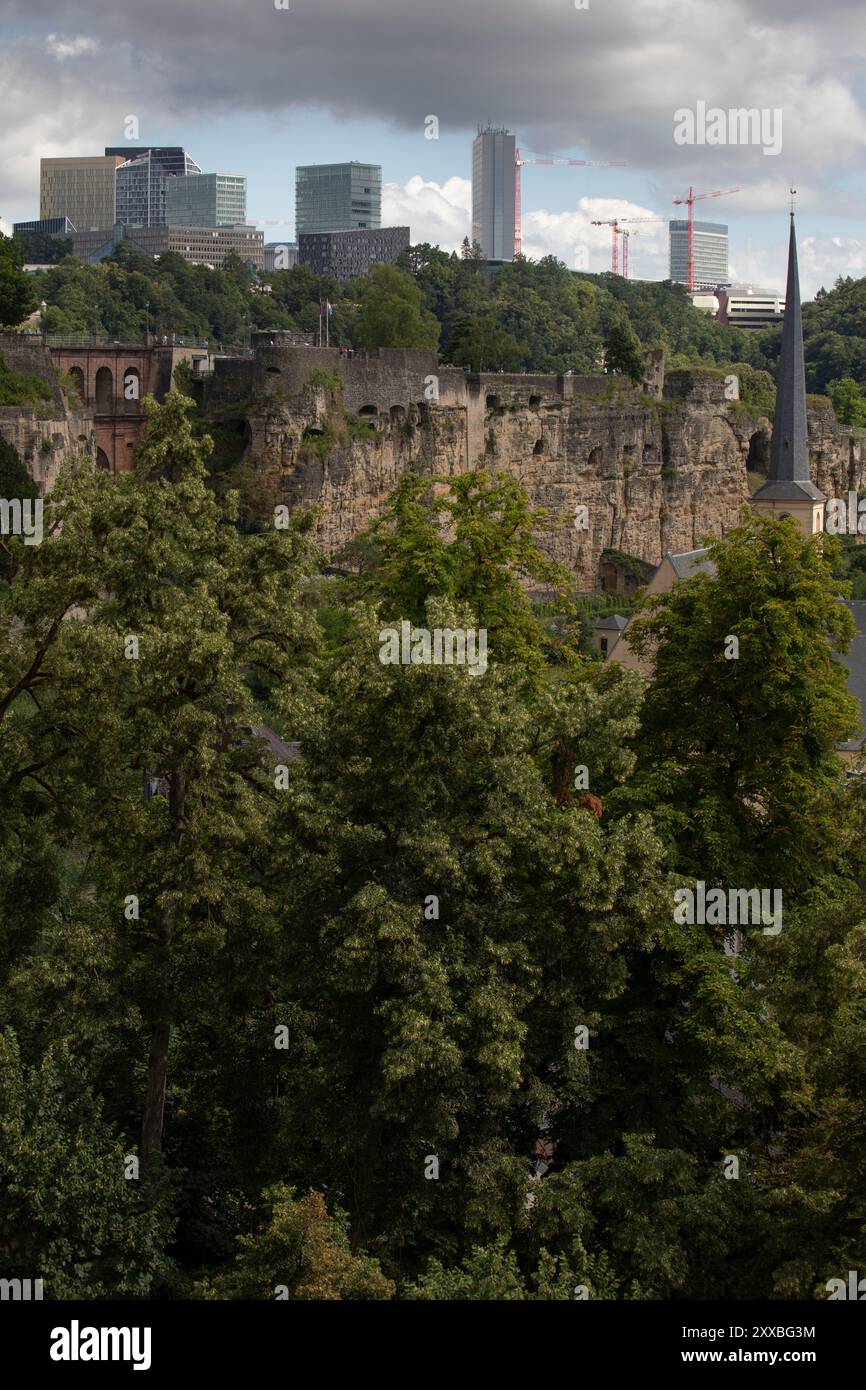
789 484
789 456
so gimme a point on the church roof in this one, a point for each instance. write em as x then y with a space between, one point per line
788 490
688 562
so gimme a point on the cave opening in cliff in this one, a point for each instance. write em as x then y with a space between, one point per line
758 460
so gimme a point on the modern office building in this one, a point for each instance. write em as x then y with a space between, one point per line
199 245
493 193
206 200
81 189
281 255
142 181
45 226
746 306
710 249
346 255
338 197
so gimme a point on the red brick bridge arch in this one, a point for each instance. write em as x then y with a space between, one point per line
111 380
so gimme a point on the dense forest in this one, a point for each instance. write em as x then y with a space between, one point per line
328 978
537 316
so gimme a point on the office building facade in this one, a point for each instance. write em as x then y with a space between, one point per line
206 200
346 255
46 226
142 181
710 250
746 306
338 198
199 245
493 210
81 189
281 255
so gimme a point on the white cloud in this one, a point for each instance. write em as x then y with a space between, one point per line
438 214
568 234
821 261
62 48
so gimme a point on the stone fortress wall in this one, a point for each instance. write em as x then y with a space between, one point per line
659 467
52 432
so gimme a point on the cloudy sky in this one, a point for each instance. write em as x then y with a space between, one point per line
253 89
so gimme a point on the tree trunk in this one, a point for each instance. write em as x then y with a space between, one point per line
154 1101
157 1069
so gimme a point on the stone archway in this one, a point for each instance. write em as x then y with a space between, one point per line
131 385
76 377
104 389
102 460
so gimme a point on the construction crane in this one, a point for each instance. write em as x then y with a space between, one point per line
520 160
614 227
618 228
689 201
625 234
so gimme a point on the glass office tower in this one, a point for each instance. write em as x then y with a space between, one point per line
711 253
338 197
142 181
206 200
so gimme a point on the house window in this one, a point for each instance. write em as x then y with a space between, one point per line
602 644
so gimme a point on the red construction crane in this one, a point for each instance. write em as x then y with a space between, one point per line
625 234
690 201
618 228
614 227
520 160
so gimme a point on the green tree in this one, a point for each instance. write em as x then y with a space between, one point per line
16 290
302 1251
482 346
622 351
391 312
849 401
154 557
474 543
753 768
15 481
428 903
68 1212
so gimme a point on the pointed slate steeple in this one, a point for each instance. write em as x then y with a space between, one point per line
789 478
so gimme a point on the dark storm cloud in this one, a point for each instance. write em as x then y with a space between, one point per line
606 79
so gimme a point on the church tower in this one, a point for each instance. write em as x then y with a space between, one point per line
789 490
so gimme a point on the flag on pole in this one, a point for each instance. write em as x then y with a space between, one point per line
330 308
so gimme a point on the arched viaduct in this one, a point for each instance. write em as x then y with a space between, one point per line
111 379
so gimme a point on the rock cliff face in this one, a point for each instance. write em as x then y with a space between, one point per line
45 441
657 469
50 433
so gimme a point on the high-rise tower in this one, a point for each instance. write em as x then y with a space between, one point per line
338 197
493 165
